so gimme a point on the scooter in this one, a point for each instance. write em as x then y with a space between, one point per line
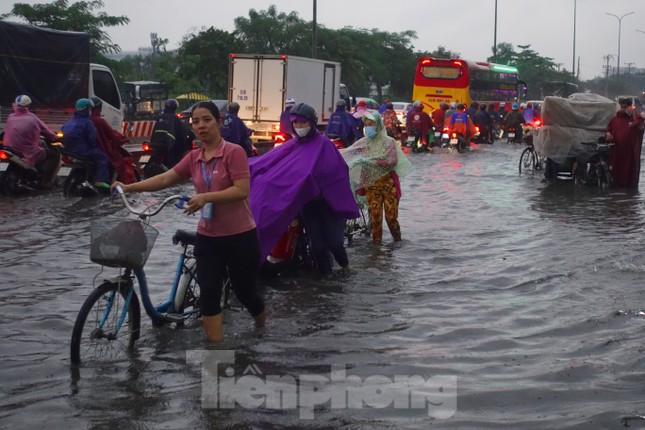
458 142
17 176
290 253
80 180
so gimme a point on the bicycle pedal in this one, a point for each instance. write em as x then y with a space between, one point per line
175 318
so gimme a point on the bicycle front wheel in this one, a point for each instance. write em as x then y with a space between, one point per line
527 160
107 324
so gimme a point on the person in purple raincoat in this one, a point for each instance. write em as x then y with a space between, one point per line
306 175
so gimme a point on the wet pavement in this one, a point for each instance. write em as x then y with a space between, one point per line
510 303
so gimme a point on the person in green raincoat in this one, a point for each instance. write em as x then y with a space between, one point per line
376 163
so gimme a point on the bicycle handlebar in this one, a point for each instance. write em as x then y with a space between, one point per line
148 212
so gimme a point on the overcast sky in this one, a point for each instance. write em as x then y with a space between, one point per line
466 26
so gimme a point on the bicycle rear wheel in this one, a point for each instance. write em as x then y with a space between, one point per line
97 334
527 160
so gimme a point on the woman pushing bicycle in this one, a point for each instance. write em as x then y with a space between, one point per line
226 233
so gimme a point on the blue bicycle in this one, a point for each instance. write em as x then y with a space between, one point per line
109 321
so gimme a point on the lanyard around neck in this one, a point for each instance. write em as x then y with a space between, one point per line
208 178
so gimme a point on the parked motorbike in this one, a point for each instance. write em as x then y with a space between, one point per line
337 141
17 176
589 167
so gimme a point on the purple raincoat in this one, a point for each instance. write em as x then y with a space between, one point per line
286 178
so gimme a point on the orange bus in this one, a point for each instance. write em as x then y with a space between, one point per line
455 80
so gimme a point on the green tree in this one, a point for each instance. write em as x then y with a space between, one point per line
440 52
203 62
272 32
59 15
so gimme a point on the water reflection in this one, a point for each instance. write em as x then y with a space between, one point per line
529 293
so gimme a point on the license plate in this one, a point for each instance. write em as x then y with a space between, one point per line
511 134
445 136
454 141
437 135
64 171
4 166
144 159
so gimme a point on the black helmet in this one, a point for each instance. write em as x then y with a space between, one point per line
170 105
305 110
97 102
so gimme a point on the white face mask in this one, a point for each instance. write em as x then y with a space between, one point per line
302 132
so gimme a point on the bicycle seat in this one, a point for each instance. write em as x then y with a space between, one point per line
184 237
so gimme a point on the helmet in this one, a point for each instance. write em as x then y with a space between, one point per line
82 104
515 106
170 105
482 106
453 105
23 100
290 102
341 102
389 106
306 111
97 102
461 106
502 104
443 105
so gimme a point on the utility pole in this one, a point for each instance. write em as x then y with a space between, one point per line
314 34
495 36
607 58
629 67
573 67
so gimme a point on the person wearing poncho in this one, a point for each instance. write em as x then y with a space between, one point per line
376 162
305 175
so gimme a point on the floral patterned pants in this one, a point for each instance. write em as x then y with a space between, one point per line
382 195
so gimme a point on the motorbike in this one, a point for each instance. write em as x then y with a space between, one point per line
589 167
290 253
513 135
17 176
337 141
415 142
458 142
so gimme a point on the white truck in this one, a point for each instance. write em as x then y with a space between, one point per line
262 83
52 67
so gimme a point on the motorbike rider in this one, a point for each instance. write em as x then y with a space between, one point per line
391 122
472 109
22 134
452 109
514 119
169 136
341 124
528 113
111 142
461 123
502 111
79 141
439 115
485 123
419 122
235 131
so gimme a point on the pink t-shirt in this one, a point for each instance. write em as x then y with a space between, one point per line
227 164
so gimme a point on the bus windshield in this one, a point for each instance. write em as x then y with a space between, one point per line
460 81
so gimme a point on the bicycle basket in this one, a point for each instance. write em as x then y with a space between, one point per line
119 242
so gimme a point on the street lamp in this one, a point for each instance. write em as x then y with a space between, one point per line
620 22
495 36
314 34
573 67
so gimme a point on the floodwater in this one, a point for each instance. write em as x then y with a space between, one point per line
510 304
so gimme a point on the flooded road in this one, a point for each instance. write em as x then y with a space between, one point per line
510 304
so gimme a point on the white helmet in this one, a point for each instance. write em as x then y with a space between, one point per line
23 101
290 102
